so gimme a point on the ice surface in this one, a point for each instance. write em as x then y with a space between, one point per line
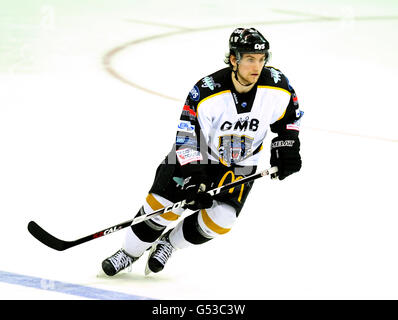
80 141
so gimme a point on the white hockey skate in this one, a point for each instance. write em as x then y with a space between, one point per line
159 254
117 262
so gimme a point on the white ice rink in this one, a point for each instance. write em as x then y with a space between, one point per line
90 95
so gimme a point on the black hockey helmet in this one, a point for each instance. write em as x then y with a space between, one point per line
248 40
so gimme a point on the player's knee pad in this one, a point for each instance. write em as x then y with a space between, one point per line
203 225
217 220
151 229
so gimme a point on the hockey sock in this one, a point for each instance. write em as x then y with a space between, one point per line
147 231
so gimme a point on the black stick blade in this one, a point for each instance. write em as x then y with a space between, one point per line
44 237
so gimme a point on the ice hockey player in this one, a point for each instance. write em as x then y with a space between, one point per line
220 134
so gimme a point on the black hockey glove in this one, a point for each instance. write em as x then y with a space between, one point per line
285 154
196 195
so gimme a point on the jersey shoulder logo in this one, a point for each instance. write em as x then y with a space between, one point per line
208 82
194 93
276 75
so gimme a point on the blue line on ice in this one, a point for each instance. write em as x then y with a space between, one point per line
66 288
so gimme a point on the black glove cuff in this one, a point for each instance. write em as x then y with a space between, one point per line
285 154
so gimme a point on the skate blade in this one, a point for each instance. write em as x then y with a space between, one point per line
147 271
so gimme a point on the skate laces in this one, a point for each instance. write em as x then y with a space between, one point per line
120 260
163 251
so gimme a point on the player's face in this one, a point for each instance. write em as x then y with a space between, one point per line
250 67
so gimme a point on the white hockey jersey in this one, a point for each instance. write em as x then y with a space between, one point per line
220 125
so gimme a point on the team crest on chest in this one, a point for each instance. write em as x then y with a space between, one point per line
234 148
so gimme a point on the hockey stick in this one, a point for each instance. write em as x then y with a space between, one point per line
49 240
